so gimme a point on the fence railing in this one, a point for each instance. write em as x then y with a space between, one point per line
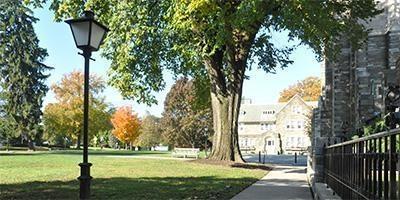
365 168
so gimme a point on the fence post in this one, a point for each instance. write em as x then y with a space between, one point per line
393 162
259 156
264 159
295 157
324 163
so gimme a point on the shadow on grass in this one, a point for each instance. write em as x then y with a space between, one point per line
233 164
206 187
251 166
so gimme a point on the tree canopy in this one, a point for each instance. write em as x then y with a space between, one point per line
64 118
185 124
150 132
149 36
126 125
309 89
215 41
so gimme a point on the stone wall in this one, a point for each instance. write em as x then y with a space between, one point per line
355 84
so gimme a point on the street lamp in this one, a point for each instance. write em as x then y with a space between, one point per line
88 35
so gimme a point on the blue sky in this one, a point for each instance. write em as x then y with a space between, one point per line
262 88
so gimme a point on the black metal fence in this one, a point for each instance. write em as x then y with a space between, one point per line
365 168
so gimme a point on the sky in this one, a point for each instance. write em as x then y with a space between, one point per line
261 88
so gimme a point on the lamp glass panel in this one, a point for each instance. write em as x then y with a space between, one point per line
97 35
81 33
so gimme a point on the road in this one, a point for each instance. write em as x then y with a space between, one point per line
277 159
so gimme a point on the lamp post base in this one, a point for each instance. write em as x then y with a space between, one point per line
85 178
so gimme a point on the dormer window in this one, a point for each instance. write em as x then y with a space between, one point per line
268 112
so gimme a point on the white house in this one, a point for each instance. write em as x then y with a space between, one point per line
274 128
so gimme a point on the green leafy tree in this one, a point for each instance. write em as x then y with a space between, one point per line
101 138
112 141
22 72
185 123
151 132
64 119
215 39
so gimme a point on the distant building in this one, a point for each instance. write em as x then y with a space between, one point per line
275 127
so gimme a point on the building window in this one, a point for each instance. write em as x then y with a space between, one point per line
287 124
295 125
299 124
270 143
251 142
292 124
241 126
297 109
243 112
265 126
291 141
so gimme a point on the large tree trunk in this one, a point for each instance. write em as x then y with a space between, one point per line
225 100
225 118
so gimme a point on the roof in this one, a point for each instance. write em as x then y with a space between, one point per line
254 112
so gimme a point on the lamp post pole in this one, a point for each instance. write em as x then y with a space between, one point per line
85 177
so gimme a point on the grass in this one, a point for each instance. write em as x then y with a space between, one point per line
53 176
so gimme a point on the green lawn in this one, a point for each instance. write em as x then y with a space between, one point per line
53 175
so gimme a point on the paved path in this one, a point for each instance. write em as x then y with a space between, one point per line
282 183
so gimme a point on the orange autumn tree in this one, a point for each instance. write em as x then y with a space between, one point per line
126 125
309 89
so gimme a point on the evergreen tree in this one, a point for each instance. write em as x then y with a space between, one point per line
22 71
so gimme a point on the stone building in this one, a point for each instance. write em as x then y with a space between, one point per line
275 128
355 84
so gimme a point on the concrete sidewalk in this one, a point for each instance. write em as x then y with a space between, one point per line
283 182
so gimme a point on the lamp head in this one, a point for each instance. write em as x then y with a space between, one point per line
87 32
